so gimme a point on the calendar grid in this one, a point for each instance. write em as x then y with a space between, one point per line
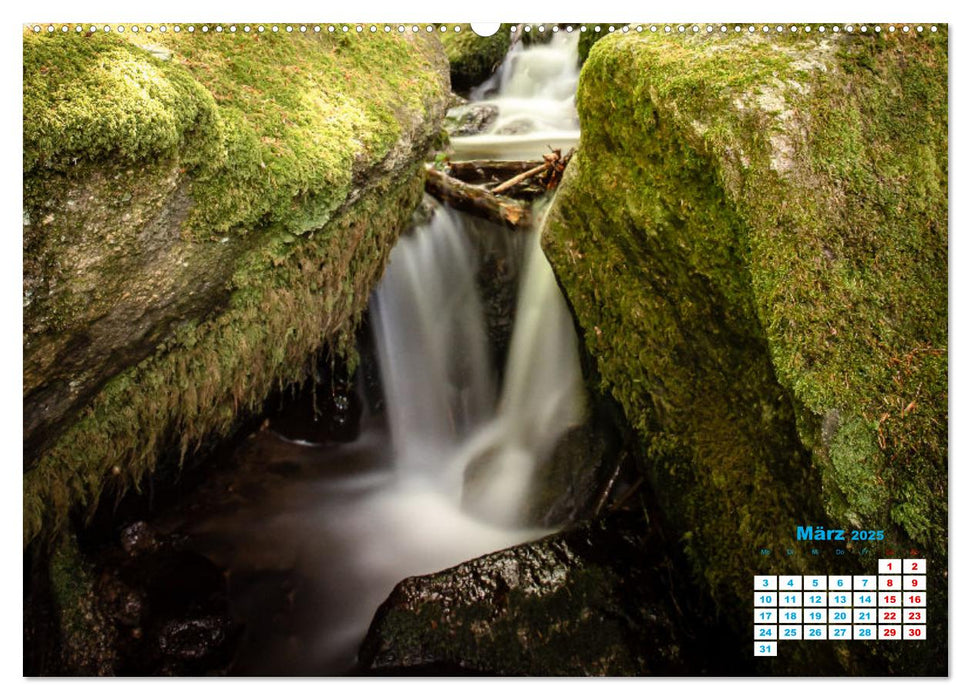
890 605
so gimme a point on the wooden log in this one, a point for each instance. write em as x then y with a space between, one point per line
480 171
475 200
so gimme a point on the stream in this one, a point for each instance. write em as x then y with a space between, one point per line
316 534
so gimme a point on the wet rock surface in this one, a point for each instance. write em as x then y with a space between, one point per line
501 254
469 120
146 605
168 604
597 600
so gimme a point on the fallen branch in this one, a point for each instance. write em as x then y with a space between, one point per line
605 494
519 178
550 172
475 200
489 171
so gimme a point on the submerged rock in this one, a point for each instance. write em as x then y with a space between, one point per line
471 119
594 601
753 239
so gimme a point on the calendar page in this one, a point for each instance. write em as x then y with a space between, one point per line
377 346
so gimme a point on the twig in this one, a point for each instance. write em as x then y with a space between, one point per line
627 494
610 487
519 178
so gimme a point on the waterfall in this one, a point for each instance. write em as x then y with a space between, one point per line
431 343
440 387
534 93
430 330
542 396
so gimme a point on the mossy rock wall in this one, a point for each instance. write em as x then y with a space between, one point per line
753 238
204 215
473 58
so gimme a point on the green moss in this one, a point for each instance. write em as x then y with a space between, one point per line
86 644
473 58
70 584
753 237
90 98
856 493
270 125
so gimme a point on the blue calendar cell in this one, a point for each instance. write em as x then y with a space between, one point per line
914 633
815 600
766 583
791 616
766 649
766 631
865 599
815 616
790 583
864 583
790 600
766 616
865 616
915 566
889 633
841 631
814 632
840 600
864 631
815 583
890 566
790 632
840 616
766 599
840 583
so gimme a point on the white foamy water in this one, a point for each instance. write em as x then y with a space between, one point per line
534 91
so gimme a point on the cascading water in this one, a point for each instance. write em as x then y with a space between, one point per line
350 521
541 398
430 330
431 344
533 91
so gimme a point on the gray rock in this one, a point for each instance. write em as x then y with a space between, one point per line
470 120
592 601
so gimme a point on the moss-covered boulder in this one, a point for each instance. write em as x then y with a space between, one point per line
473 58
590 34
204 214
753 238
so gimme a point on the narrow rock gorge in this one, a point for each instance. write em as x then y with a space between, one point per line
286 413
